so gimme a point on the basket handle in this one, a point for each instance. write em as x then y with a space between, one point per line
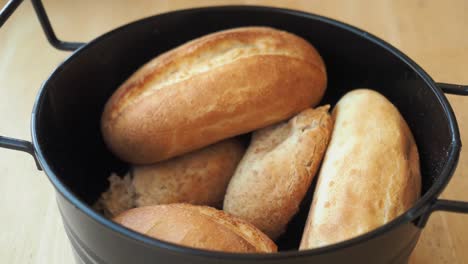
20 145
11 6
443 204
5 13
453 88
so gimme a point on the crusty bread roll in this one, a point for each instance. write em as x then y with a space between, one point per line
370 173
199 177
197 226
214 87
277 170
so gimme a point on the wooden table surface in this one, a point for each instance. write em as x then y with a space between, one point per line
433 33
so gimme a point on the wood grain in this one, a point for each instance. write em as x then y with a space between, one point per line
433 33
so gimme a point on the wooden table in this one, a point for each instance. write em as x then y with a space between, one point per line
433 33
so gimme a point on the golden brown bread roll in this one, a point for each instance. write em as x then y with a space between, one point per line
196 226
214 87
277 170
199 177
370 173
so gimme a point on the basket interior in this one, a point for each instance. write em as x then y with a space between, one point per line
69 110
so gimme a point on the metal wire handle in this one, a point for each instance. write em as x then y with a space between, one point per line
11 6
453 88
5 13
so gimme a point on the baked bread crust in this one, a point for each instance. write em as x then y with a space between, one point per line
197 226
370 173
277 170
212 88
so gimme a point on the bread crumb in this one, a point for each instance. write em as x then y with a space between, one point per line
118 198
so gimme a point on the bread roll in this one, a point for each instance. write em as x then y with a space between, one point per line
277 170
370 173
199 177
212 88
197 226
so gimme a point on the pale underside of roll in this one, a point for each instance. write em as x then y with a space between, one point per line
370 174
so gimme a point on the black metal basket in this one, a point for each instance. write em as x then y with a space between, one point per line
66 114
